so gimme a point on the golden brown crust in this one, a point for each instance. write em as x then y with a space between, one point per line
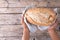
35 11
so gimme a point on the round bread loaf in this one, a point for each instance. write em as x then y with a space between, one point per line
40 16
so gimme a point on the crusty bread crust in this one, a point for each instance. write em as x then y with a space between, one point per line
43 16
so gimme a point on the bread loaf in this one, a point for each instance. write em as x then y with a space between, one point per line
40 16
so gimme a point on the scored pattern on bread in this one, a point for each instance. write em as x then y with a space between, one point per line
41 16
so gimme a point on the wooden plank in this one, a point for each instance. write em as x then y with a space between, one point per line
34 0
52 0
2 38
54 4
10 30
11 38
58 14
11 10
42 37
14 10
18 3
3 3
13 1
10 19
24 3
38 3
28 3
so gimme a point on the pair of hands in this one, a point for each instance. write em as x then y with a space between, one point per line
53 26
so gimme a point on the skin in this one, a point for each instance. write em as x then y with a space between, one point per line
52 31
26 33
53 34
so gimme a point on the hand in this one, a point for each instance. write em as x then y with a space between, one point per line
53 26
23 23
52 31
26 32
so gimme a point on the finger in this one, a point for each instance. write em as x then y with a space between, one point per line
55 25
23 20
54 22
22 17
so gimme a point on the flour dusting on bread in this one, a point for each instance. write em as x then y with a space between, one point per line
41 16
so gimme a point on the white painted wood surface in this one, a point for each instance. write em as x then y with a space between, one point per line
10 18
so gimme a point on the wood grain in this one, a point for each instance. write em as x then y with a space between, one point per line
10 19
11 10
11 30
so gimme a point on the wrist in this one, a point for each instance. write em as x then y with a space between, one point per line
51 30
